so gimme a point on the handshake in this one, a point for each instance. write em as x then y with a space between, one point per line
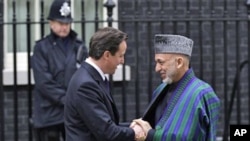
140 128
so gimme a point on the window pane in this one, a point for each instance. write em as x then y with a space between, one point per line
89 15
20 16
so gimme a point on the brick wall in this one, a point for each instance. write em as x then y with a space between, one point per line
22 111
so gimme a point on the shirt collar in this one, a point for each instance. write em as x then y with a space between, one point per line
89 61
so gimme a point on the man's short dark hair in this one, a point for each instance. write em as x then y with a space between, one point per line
107 38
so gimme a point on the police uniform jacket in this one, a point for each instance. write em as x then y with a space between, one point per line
54 61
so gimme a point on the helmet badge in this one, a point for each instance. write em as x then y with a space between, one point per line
65 9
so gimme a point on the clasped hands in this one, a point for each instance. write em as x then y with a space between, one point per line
141 129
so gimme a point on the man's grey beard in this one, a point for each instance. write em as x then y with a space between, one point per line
167 80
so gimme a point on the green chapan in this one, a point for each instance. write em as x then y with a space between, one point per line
191 114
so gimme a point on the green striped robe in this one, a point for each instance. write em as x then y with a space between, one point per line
191 114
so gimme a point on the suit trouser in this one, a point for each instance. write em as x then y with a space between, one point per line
50 133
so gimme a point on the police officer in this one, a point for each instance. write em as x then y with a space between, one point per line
54 61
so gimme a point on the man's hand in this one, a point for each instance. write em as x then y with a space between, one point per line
143 124
139 133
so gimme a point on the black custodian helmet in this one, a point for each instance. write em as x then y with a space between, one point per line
60 11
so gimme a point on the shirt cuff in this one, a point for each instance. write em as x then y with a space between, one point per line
150 135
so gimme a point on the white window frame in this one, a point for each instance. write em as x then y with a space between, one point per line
22 62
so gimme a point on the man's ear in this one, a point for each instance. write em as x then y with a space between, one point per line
180 62
106 54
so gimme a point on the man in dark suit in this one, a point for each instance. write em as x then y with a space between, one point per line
90 110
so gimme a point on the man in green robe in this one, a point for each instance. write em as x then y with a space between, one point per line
183 108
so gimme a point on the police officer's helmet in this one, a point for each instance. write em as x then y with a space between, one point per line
60 11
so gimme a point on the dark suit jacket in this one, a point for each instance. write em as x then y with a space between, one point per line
90 112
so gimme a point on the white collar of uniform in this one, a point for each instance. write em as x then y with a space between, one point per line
89 61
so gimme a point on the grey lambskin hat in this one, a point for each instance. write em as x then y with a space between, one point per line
168 43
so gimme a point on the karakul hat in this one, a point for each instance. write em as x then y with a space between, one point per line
167 43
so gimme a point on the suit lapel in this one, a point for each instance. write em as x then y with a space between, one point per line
97 77
106 90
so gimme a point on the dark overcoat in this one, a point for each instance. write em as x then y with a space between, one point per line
53 63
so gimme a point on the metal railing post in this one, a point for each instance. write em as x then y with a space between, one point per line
109 5
1 74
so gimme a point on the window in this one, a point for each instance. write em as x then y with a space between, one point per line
19 38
